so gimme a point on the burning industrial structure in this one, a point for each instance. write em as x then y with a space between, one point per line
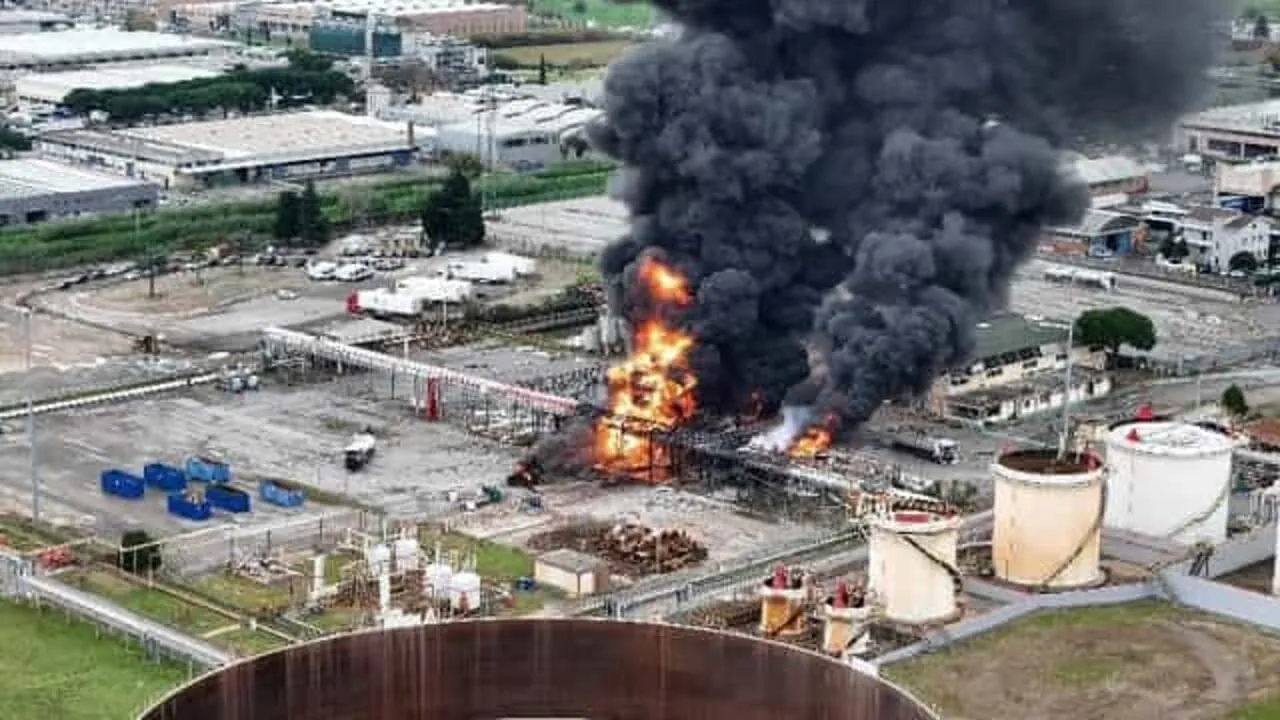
839 191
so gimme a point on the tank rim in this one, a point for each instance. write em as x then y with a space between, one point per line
926 710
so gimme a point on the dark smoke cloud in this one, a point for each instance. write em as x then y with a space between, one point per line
866 175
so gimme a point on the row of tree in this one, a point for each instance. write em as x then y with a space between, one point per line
308 79
452 216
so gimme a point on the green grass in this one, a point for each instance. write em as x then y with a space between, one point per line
602 13
153 604
246 642
1268 709
588 54
243 593
52 668
21 535
494 561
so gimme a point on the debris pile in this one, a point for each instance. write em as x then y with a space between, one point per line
630 548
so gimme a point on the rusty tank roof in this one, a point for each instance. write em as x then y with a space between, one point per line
544 668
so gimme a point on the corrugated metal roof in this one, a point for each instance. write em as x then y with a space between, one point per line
1008 333
1110 169
31 177
1098 222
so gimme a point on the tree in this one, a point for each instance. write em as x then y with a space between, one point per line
1112 328
313 228
542 69
138 553
1233 401
1261 28
1243 261
288 216
453 215
138 20
1174 249
466 163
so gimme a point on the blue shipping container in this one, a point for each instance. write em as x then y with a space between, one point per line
123 484
277 493
184 507
207 470
165 477
228 498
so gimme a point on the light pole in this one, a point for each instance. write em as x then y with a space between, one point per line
1066 395
31 415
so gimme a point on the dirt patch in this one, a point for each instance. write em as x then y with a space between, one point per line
191 292
1133 662
553 277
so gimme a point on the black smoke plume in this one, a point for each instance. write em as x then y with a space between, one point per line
861 178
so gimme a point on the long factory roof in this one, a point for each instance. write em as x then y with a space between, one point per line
99 44
55 86
1260 117
31 177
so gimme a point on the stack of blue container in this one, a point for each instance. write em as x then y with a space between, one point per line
183 501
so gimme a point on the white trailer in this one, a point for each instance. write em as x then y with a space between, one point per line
437 289
481 272
381 302
523 266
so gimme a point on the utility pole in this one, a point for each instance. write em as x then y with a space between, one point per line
31 415
1066 395
151 254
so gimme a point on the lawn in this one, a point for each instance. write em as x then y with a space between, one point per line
597 13
243 593
21 535
494 561
246 642
154 604
1127 662
594 54
55 668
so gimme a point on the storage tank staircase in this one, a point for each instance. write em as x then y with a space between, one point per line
1094 528
957 579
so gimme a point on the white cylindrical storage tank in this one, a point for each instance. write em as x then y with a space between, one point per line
912 572
1169 480
464 592
407 552
437 580
379 559
1047 519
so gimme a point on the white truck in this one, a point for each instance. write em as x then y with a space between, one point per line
480 272
523 266
437 289
359 451
381 302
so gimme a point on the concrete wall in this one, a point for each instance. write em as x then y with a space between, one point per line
1225 600
15 210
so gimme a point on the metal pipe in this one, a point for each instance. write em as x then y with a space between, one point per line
29 401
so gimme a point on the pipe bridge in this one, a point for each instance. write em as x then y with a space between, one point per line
278 343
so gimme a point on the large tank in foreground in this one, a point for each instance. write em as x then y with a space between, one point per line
544 668
1169 480
1048 519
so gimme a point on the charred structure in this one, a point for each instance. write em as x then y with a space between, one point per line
539 668
848 186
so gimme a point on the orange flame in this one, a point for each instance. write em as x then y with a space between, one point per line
652 389
816 440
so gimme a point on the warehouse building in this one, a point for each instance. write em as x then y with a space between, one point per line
1017 370
21 22
1232 134
460 18
262 148
1100 233
523 135
51 88
73 48
33 191
1111 180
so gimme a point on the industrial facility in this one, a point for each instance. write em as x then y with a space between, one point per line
541 668
33 191
261 148
69 49
49 89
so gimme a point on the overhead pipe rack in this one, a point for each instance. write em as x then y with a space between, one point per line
279 342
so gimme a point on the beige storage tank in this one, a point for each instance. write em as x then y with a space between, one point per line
1048 519
782 599
911 573
846 627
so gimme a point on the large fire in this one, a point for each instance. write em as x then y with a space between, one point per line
815 440
652 389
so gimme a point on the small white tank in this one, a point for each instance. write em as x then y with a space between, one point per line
407 552
379 559
437 579
912 566
464 591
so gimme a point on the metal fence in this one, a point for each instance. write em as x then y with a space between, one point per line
208 550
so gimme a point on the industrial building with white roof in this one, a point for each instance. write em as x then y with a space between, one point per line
52 50
33 190
53 87
523 135
292 146
1233 133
